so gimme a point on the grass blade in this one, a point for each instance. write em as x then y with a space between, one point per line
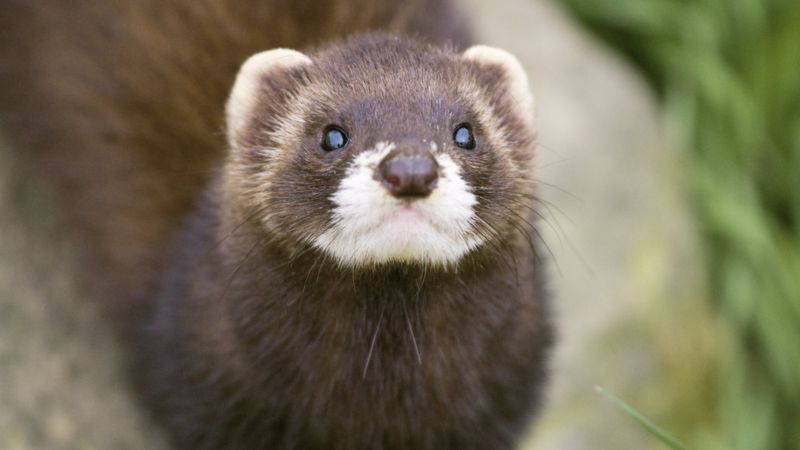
649 426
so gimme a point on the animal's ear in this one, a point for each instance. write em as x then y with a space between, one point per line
515 76
266 79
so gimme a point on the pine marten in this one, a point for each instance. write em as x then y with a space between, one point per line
325 247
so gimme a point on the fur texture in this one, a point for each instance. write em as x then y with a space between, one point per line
271 294
120 105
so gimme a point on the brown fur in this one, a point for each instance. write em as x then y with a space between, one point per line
251 337
121 103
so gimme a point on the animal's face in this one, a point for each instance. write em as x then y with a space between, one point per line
382 150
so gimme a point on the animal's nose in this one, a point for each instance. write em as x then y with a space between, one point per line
409 173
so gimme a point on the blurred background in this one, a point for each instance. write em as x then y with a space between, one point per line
670 164
718 298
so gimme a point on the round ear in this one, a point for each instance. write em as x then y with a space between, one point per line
517 78
253 84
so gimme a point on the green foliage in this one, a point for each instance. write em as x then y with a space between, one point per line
728 72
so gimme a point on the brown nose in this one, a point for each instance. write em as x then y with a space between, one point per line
408 173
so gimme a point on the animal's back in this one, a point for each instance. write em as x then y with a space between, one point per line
120 104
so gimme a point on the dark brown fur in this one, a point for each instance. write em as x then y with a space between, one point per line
121 104
255 339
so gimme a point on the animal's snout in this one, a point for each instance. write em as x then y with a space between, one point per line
409 173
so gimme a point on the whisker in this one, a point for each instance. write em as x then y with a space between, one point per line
491 236
238 267
559 189
232 232
539 236
372 345
413 338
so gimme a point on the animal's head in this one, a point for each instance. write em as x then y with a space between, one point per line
382 149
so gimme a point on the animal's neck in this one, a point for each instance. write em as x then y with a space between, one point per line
403 310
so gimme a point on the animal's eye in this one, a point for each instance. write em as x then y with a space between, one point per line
333 138
463 137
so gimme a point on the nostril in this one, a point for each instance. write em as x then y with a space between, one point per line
430 177
391 174
393 180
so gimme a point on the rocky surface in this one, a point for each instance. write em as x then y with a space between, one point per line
61 385
613 223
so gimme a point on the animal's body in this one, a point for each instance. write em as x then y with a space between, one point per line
350 264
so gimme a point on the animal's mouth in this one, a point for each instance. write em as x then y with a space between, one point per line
407 213
407 217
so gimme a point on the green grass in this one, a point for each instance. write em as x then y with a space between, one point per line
644 422
728 74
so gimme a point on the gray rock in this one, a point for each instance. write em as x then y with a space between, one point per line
61 385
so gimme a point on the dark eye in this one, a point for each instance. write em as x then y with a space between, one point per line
463 137
333 139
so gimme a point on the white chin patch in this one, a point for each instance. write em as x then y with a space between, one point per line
371 227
